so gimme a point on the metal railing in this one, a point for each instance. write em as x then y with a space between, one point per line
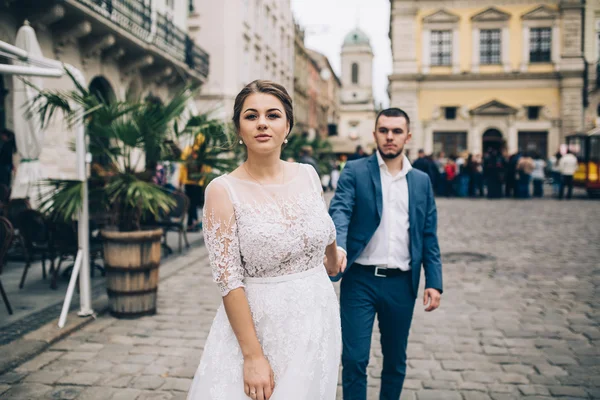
135 16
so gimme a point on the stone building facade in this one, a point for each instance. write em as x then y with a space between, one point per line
592 56
247 40
480 74
329 97
140 50
316 90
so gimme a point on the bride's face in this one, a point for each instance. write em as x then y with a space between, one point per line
263 123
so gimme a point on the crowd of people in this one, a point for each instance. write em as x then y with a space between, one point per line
496 175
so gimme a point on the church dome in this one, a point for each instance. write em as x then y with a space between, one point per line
356 37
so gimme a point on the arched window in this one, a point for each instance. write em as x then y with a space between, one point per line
354 73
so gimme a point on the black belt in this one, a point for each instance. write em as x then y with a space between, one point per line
382 272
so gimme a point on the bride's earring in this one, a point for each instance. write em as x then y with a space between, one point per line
285 141
241 141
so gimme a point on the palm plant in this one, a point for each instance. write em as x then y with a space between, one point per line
127 135
213 150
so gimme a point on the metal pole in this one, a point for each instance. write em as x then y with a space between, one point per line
30 71
85 286
70 289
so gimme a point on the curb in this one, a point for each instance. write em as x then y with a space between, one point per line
35 342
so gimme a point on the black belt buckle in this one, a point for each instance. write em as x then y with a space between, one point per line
379 274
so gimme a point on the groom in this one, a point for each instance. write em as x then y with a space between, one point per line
386 222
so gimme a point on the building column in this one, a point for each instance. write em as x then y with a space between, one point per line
513 135
455 51
475 50
428 137
556 46
553 138
426 51
474 139
506 49
525 52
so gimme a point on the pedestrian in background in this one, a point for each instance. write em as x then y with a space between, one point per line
450 170
306 157
525 168
555 172
358 154
568 165
538 175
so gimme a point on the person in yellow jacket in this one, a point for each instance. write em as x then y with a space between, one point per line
192 176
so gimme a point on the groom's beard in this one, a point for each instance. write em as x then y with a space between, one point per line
389 155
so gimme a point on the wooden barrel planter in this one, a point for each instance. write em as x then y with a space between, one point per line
131 261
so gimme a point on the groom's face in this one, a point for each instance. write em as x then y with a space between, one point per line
391 134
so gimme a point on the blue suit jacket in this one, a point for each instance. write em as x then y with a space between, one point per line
356 211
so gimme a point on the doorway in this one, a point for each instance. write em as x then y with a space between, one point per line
492 139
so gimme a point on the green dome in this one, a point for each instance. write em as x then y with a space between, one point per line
356 37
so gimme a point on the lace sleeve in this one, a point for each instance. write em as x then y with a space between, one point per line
221 239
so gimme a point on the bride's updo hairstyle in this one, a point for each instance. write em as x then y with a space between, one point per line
267 87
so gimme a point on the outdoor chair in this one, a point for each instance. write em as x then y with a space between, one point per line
174 221
65 246
35 234
4 194
12 209
6 235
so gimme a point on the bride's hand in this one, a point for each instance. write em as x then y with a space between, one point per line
258 378
332 265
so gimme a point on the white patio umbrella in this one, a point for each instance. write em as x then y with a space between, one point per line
29 135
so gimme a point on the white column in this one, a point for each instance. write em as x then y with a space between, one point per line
475 50
555 46
455 51
426 51
428 145
506 49
525 53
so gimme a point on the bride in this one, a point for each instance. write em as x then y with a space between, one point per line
277 334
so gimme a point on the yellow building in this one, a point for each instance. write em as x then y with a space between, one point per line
480 74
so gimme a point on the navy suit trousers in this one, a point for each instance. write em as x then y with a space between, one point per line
363 295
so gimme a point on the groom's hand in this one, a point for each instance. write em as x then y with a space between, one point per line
433 297
342 260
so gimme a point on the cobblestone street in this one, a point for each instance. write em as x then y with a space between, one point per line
519 319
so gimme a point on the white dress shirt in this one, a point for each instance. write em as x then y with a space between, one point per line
390 245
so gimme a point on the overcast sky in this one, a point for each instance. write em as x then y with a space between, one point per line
328 21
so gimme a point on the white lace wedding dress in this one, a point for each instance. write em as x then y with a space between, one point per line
271 239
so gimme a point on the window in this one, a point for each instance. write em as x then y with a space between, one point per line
540 44
441 48
533 112
489 46
355 73
451 143
450 112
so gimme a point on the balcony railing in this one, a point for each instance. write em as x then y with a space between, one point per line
135 16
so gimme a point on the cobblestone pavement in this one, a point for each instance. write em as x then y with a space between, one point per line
519 319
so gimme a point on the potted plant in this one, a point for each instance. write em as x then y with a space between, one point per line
125 135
